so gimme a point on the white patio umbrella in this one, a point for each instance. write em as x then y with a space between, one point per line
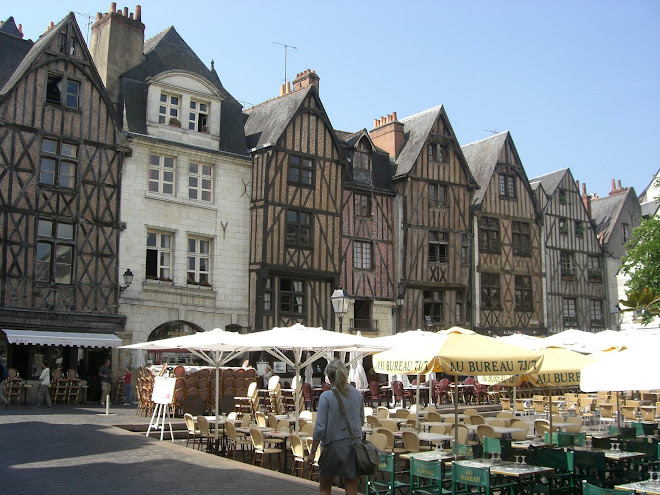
138 358
632 368
298 339
309 373
217 347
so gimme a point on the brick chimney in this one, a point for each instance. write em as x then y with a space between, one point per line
306 79
616 189
388 134
586 199
117 45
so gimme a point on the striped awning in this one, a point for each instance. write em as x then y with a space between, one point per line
67 339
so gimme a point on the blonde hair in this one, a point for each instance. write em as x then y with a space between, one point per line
338 375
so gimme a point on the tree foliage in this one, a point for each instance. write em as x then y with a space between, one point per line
642 264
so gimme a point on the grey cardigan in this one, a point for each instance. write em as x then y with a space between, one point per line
330 423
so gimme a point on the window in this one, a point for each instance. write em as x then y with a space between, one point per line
596 313
563 196
593 269
161 174
362 204
433 306
489 235
198 116
362 255
438 247
362 156
570 314
168 110
61 90
438 153
490 291
200 181
522 244
268 295
579 229
563 226
523 293
298 228
625 232
438 195
459 314
55 250
292 296
199 261
159 256
465 250
301 170
58 163
507 185
567 265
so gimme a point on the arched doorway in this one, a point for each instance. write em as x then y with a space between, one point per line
168 330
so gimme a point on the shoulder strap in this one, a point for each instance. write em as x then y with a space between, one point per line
343 411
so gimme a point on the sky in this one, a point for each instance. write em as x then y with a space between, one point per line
577 83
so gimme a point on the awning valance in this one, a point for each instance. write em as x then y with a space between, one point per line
67 339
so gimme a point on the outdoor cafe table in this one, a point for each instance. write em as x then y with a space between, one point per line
524 473
451 415
614 455
528 444
507 421
505 431
434 437
427 425
431 455
648 487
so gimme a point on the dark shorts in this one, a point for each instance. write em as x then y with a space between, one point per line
338 459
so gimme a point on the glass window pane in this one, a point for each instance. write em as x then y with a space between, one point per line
154 160
204 264
43 252
151 239
206 170
174 100
191 263
47 175
192 245
45 228
69 150
193 105
193 168
168 189
204 247
192 181
65 231
49 145
202 107
163 98
168 162
168 176
166 241
206 196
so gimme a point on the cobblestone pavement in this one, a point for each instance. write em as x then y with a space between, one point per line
77 450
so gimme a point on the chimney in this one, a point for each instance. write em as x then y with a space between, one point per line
586 199
20 29
616 187
388 134
117 45
306 79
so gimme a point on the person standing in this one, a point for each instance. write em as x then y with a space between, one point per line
3 381
330 430
44 385
105 373
127 386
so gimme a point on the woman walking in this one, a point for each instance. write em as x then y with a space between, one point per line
337 454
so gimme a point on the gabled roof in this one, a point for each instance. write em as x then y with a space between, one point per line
31 55
550 181
266 122
482 159
649 209
167 51
9 27
605 213
381 167
643 193
13 50
416 129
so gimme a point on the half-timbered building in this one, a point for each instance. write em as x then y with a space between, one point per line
432 217
61 156
615 216
367 248
296 203
508 267
575 281
186 185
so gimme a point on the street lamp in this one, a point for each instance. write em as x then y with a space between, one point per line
396 310
340 302
128 280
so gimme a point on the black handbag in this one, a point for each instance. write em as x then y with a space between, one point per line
367 455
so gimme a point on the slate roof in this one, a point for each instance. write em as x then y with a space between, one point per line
266 122
605 212
26 53
649 209
416 129
482 159
9 27
550 181
167 51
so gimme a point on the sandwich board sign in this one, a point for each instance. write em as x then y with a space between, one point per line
162 396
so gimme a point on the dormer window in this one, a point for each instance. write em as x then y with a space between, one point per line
438 153
198 118
168 111
362 156
61 90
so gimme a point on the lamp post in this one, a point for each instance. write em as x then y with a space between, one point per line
396 310
128 280
340 302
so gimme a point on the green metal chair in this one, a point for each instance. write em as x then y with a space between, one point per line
561 481
465 478
591 467
589 489
426 477
492 446
470 451
388 484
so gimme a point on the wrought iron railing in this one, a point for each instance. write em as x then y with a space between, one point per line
364 325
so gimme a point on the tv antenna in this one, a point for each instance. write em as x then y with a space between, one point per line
89 23
492 132
286 47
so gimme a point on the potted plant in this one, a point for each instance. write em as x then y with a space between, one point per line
192 281
205 284
579 230
165 279
152 277
563 199
174 122
204 129
563 229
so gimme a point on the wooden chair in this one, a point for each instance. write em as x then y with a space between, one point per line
520 435
401 394
204 432
315 464
298 451
235 439
411 442
389 424
485 431
193 431
373 421
261 449
379 440
376 392
576 424
382 412
477 419
73 392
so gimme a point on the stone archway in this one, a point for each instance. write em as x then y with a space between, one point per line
175 328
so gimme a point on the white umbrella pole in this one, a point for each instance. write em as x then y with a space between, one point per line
295 397
417 404
618 411
456 416
217 396
513 406
550 413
